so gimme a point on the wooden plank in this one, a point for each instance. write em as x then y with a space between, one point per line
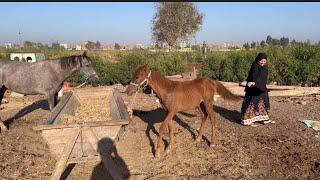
69 108
83 147
105 156
76 152
84 159
57 109
67 105
111 132
85 124
122 112
62 163
114 111
57 136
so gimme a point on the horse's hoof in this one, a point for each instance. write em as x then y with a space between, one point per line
198 139
157 154
168 151
3 127
212 145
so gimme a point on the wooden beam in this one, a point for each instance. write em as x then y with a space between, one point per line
84 159
58 108
122 113
85 124
62 162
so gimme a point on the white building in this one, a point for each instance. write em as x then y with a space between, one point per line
80 47
27 56
64 45
8 45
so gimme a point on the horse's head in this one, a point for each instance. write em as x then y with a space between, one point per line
87 69
140 79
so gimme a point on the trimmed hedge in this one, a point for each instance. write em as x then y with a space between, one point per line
298 64
292 66
111 73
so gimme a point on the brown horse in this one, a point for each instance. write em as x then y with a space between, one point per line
180 96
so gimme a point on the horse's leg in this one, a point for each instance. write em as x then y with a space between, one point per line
51 100
203 113
2 91
208 105
55 99
162 128
170 127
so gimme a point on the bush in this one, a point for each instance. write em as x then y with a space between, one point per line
298 64
291 66
111 73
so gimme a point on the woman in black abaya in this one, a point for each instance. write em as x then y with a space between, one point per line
256 105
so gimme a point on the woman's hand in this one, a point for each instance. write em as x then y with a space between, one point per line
250 84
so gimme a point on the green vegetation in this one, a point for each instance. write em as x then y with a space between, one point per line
298 63
110 73
292 66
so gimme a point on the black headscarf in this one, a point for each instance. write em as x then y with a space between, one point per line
258 74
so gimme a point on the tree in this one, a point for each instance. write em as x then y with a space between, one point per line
55 45
263 44
39 45
253 45
175 21
308 42
28 44
117 46
275 42
284 42
98 45
195 47
204 49
269 40
90 45
246 46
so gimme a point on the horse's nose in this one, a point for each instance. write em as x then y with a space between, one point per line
93 79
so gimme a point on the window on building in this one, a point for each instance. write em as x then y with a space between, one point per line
29 59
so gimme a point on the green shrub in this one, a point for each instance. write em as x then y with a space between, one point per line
291 66
298 64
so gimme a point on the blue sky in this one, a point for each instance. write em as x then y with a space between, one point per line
131 22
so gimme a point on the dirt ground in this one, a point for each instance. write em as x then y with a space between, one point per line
285 150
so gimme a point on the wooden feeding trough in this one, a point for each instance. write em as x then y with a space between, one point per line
81 142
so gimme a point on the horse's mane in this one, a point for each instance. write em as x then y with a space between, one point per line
69 62
166 82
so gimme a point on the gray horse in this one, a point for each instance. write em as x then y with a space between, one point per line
43 77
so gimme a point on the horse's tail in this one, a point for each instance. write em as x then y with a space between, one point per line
225 93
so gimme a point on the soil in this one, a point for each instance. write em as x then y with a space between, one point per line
285 150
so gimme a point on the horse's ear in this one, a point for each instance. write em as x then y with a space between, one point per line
145 66
84 53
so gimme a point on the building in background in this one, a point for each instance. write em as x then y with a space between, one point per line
8 45
27 56
64 45
108 47
81 47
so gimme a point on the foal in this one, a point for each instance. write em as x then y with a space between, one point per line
180 96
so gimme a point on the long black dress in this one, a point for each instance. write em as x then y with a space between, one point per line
256 104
